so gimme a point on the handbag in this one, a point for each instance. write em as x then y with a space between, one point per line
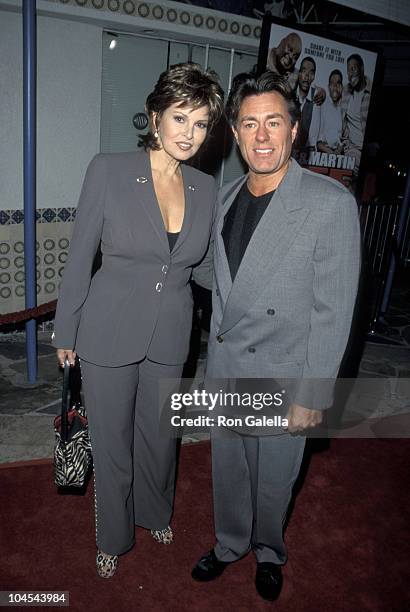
72 451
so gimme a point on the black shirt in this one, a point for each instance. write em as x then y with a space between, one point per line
172 238
239 224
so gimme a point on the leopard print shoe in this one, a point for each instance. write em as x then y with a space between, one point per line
163 536
106 564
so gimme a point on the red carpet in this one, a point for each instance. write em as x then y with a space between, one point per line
347 539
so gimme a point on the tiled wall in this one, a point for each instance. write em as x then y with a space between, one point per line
53 233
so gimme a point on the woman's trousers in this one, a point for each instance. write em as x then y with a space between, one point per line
134 463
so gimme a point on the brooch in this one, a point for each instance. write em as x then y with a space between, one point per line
142 179
191 187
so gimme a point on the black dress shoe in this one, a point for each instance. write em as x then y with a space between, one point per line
268 580
208 567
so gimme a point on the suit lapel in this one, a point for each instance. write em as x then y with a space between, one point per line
191 191
222 271
143 185
144 189
269 244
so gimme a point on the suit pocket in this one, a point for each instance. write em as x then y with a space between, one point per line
285 357
268 369
286 370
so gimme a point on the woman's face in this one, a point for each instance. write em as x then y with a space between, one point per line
182 130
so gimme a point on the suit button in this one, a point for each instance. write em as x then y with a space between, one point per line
270 311
251 349
164 269
217 292
158 287
219 339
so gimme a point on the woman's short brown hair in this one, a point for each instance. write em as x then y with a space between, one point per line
189 85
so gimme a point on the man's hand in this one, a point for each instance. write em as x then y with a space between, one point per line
320 96
63 354
300 418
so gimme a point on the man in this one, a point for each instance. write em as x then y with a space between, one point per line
286 263
309 122
330 132
282 59
355 107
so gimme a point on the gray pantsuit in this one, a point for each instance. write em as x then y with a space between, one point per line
134 465
250 506
130 324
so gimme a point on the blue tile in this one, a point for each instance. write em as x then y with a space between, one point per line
64 214
4 217
17 216
49 215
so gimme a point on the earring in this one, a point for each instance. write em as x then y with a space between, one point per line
156 134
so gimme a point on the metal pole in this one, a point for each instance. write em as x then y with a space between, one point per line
29 136
404 211
221 178
206 57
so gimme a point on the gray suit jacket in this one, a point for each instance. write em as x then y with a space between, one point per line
139 303
288 312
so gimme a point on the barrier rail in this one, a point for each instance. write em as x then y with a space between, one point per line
405 246
29 313
378 221
379 225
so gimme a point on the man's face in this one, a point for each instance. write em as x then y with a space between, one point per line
264 133
335 87
354 72
306 75
288 53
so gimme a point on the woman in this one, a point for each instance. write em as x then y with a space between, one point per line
130 322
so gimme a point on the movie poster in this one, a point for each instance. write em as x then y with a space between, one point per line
333 82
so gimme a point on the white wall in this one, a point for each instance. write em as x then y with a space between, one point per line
11 112
68 108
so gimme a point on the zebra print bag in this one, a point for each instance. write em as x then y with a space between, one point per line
72 451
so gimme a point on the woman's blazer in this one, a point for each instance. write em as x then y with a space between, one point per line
139 303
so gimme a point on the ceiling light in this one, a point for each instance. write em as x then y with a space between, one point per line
113 41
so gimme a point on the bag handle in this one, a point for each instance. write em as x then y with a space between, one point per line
64 401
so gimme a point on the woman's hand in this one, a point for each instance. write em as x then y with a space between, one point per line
63 354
